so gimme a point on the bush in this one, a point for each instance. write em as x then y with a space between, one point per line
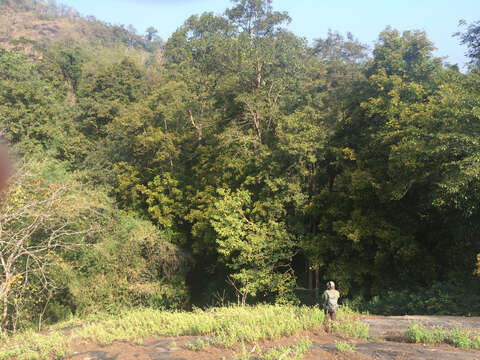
439 299
88 257
461 338
131 265
343 346
421 334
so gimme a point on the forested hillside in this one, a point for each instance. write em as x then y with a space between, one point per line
234 162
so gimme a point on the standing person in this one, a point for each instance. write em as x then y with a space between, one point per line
330 301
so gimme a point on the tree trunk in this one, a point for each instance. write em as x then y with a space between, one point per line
310 276
4 323
244 299
259 75
197 127
256 122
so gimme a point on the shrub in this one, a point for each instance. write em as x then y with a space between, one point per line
343 346
462 338
439 299
421 334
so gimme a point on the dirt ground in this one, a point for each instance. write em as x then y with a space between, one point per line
388 330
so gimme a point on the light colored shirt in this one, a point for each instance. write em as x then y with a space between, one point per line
330 294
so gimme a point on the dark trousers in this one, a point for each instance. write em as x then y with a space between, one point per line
330 314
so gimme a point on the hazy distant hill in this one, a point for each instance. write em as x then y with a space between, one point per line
23 22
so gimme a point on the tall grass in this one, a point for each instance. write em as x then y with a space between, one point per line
223 326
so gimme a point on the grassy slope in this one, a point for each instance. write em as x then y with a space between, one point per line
18 24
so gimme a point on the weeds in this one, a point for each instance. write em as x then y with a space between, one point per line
224 326
421 334
293 352
461 338
349 324
199 345
32 345
344 347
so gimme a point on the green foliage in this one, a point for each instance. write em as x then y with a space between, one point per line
46 214
36 346
462 338
439 299
238 153
198 345
105 261
478 265
34 114
257 248
348 324
344 347
458 337
471 38
420 334
132 265
71 63
225 326
407 56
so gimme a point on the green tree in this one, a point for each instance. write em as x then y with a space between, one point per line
358 241
33 113
42 220
256 247
195 53
266 64
471 38
151 33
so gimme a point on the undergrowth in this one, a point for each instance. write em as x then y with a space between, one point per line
438 299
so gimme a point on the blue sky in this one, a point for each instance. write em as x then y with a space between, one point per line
310 18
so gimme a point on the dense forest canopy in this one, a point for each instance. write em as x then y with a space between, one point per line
234 162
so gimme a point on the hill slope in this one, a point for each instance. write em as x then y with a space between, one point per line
27 22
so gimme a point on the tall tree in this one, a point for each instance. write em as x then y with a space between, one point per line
471 38
194 54
258 250
265 62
